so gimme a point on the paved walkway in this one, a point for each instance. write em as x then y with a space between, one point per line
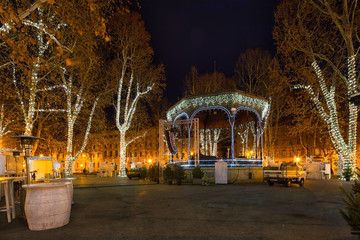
124 209
84 181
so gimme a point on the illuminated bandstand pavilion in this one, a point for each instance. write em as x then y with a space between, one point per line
205 128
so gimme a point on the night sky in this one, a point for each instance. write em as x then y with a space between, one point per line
199 32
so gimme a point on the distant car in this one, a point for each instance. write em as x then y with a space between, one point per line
133 173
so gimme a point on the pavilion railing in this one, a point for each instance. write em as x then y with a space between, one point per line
231 163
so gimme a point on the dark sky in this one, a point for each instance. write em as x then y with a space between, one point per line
199 32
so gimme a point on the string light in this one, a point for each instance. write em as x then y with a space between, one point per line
42 44
209 139
226 101
346 151
69 160
5 28
244 140
230 99
123 122
73 109
3 124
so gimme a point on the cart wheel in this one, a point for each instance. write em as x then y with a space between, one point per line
270 183
288 182
301 183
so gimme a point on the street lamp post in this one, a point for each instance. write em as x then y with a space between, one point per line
158 169
27 143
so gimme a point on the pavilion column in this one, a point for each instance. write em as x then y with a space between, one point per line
261 139
232 123
189 141
256 139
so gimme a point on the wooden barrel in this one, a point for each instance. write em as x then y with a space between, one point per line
71 186
47 205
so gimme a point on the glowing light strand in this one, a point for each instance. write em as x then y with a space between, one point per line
346 152
72 112
50 110
50 88
29 111
88 128
234 98
3 124
244 140
127 116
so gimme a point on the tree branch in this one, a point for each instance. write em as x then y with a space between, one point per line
52 37
32 8
87 130
135 138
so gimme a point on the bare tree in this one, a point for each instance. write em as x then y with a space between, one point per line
318 41
251 71
196 84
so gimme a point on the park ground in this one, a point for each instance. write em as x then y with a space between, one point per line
115 208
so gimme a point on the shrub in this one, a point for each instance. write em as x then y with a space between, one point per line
356 185
156 172
143 172
197 172
347 173
151 172
352 214
179 174
168 173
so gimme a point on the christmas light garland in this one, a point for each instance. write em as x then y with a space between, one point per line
3 124
228 99
346 151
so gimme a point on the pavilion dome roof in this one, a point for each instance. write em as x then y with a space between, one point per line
227 99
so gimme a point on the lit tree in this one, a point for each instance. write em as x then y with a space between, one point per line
136 75
73 108
80 81
209 139
8 111
244 135
322 34
43 38
28 31
30 67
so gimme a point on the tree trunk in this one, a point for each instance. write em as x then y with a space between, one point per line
122 156
69 151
